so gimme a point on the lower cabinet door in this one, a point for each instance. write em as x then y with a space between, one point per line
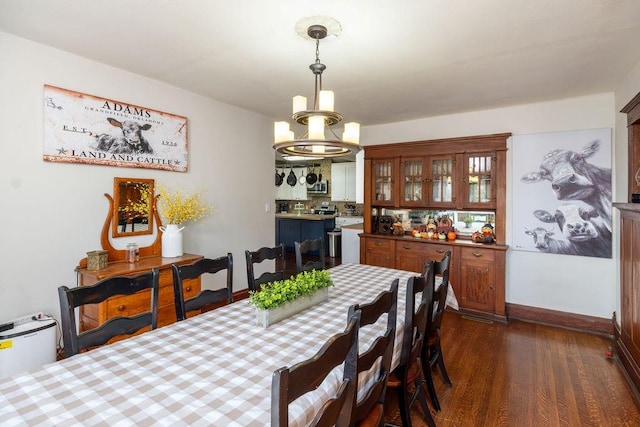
380 252
478 280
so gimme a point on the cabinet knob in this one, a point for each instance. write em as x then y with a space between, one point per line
477 254
406 247
378 243
121 307
440 251
188 289
492 287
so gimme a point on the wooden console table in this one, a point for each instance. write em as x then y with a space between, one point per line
92 316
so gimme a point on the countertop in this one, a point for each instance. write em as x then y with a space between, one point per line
353 227
308 217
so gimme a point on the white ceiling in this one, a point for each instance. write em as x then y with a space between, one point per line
394 61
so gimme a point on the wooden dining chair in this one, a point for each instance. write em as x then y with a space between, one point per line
431 353
305 248
409 371
278 254
206 297
70 298
369 409
288 384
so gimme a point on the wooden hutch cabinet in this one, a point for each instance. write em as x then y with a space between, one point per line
627 332
479 181
428 181
384 185
466 173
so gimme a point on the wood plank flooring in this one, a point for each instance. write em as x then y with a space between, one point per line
524 374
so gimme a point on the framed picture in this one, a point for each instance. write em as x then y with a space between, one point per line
562 193
81 128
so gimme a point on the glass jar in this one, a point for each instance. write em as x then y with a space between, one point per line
132 253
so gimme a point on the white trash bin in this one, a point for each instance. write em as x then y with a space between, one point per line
27 346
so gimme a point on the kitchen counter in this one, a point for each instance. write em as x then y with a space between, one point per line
310 217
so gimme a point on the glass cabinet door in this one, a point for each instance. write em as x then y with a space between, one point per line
442 180
382 182
412 182
480 182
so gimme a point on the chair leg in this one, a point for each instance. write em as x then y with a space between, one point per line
443 369
421 394
403 404
432 389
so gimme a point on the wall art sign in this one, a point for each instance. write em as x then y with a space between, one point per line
562 193
81 128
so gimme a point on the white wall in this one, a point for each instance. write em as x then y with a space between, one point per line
572 284
52 213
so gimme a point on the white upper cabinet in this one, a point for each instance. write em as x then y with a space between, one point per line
343 182
295 192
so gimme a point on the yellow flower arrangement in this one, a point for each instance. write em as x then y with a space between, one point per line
177 207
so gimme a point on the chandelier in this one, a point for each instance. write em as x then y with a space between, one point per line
319 120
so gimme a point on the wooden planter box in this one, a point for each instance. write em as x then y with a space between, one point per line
265 318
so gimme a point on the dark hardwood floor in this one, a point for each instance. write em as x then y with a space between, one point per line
523 374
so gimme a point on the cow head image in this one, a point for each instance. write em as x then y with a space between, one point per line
571 177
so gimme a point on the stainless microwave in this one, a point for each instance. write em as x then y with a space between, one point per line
320 187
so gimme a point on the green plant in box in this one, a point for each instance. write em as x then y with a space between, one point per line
277 293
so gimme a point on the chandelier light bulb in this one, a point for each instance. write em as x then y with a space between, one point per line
299 104
326 100
281 131
316 127
351 133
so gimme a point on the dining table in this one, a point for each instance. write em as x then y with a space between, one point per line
212 369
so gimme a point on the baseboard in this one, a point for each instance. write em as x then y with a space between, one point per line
579 322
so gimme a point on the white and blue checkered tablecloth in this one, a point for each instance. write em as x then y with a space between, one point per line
213 369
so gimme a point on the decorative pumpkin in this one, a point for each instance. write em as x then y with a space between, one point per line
452 235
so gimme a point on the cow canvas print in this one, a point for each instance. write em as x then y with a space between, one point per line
81 128
562 193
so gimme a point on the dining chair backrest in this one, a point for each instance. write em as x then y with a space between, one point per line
206 297
417 321
304 248
431 352
288 384
442 268
70 298
372 402
407 378
277 254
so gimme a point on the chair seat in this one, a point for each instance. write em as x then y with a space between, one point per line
414 373
374 418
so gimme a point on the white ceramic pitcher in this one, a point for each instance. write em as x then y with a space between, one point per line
171 240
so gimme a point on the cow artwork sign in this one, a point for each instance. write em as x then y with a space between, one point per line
80 128
562 193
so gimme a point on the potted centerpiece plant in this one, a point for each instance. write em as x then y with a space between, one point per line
278 300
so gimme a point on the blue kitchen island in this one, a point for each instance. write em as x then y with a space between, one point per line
291 228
